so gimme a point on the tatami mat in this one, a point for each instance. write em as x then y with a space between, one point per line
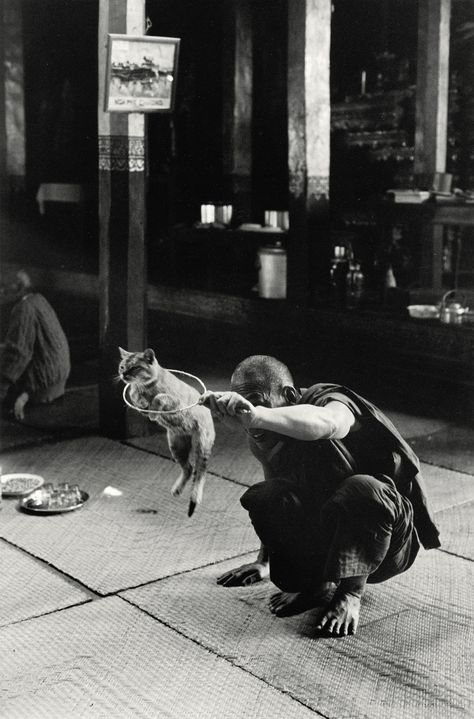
411 657
447 488
457 530
231 457
412 426
116 542
452 448
29 588
109 660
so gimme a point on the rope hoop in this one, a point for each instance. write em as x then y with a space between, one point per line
166 411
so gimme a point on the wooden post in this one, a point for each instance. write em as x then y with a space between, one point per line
237 110
12 114
432 86
309 116
432 119
123 273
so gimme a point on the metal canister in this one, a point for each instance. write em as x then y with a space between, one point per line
272 271
452 313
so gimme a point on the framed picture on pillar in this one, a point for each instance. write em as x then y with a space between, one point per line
141 73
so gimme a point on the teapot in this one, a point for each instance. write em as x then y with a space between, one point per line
451 311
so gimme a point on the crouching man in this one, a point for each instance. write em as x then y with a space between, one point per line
342 503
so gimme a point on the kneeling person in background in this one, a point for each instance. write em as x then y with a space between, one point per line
35 357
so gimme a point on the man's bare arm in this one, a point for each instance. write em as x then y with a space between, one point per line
304 421
301 421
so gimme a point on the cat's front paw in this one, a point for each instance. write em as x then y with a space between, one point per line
177 487
164 402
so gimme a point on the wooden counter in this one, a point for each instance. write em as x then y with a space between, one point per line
428 220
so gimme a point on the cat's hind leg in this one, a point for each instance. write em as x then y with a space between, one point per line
202 449
180 448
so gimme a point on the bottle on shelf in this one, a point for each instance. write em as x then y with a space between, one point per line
338 272
355 282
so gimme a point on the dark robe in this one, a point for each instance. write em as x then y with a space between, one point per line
389 452
36 352
332 509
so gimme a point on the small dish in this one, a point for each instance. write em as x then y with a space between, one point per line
424 312
34 504
20 484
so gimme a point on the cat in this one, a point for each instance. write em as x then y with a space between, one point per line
190 433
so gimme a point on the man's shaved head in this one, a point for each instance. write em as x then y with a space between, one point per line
262 375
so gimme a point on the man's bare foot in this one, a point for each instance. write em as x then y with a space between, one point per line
342 616
288 604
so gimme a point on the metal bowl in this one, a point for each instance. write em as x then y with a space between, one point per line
33 504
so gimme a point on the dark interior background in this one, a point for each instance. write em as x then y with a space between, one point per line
185 148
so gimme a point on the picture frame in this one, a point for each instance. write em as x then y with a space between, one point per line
141 73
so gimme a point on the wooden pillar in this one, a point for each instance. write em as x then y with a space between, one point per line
432 86
12 102
123 273
237 109
432 119
309 116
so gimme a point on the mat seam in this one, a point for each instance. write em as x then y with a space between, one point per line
453 554
215 563
226 659
442 466
116 592
52 611
53 566
455 506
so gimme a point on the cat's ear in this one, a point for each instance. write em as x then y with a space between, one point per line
149 355
124 353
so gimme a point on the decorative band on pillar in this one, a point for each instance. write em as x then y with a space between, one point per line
297 182
121 153
318 187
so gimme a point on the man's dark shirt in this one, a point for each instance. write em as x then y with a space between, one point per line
375 448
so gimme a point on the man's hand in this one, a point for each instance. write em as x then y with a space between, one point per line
230 407
245 575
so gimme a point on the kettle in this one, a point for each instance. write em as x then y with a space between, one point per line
451 311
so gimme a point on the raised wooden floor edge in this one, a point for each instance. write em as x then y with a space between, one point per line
381 332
